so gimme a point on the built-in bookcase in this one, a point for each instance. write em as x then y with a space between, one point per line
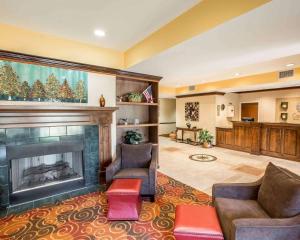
147 113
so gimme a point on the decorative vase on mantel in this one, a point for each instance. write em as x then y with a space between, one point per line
102 101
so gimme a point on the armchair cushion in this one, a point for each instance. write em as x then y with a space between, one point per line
230 209
266 229
141 173
136 156
279 193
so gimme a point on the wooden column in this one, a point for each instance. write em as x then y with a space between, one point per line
105 156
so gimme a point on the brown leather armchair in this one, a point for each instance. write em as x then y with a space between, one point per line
268 209
136 161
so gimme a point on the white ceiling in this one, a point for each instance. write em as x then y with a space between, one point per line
126 22
262 40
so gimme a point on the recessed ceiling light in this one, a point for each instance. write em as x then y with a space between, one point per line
99 33
237 74
290 65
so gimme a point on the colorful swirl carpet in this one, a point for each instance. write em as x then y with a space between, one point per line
84 217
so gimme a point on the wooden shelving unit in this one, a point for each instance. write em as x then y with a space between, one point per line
147 113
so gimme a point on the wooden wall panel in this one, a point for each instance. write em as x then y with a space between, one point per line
264 139
238 136
274 140
290 142
228 137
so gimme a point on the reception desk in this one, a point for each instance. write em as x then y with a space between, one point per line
271 139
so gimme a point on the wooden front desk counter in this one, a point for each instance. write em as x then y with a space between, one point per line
280 140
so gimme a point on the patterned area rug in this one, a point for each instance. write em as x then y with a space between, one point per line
84 217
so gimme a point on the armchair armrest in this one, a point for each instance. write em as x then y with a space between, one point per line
112 169
152 169
266 229
243 191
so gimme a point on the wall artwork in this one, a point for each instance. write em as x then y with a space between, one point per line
191 111
29 82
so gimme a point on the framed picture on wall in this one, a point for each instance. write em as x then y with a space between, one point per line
31 82
191 111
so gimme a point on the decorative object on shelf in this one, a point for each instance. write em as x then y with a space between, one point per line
102 101
191 111
284 106
194 127
202 158
148 94
120 98
44 84
136 121
188 124
284 116
206 138
123 121
133 137
222 107
135 97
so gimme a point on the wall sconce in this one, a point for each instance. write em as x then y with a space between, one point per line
284 116
284 106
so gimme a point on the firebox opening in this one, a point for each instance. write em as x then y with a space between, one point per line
44 169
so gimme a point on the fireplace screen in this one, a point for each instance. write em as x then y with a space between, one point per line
40 171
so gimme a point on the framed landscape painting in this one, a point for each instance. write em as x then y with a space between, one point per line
30 82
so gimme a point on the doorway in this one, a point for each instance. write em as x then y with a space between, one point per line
249 111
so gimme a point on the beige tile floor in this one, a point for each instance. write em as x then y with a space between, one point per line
230 166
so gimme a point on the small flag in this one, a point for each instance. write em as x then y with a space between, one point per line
148 94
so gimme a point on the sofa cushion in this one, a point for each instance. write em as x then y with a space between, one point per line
231 209
279 193
142 173
136 156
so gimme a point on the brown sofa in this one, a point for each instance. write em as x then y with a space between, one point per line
268 209
136 161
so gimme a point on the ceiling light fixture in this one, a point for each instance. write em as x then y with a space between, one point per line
99 33
290 65
237 74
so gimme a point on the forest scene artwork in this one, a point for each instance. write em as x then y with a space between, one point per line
29 82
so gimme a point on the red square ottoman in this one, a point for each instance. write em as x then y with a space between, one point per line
194 222
124 200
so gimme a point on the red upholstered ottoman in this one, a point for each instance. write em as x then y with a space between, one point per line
197 223
124 200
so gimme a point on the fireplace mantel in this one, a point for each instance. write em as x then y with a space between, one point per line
22 116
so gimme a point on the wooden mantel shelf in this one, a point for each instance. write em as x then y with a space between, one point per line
52 108
20 116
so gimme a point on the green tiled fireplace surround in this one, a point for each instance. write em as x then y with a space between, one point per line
19 136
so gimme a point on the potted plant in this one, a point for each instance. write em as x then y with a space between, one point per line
133 137
206 138
135 97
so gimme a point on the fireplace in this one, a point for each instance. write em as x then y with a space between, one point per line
51 153
42 169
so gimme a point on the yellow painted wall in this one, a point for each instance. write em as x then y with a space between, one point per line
239 82
25 41
167 114
204 16
167 92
